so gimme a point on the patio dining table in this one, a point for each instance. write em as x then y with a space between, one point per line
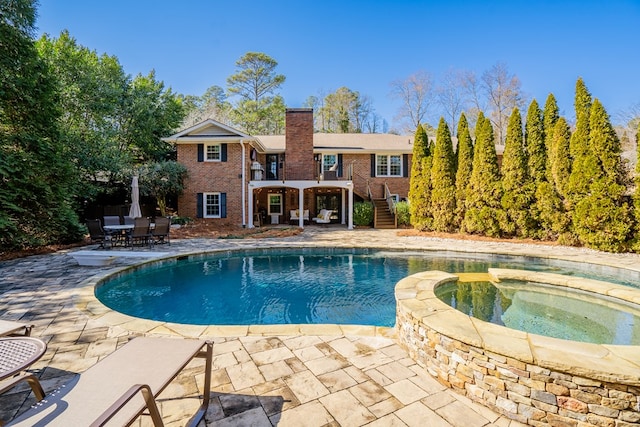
118 232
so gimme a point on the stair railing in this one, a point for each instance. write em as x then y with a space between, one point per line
391 201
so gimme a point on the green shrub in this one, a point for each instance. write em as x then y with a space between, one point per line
403 214
363 213
182 220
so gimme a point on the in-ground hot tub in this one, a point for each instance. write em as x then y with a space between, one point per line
530 378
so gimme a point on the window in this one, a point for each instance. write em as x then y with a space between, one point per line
212 205
328 160
212 153
272 167
275 204
389 165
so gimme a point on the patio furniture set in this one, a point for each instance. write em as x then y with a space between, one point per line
116 390
129 232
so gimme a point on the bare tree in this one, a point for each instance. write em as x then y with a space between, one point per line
474 97
503 94
627 129
361 110
416 95
374 123
450 95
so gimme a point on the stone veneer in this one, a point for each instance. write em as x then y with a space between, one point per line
537 380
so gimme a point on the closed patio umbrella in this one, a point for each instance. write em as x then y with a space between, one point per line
134 211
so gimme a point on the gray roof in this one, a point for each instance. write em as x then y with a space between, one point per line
345 142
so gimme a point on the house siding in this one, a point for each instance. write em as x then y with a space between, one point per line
363 174
211 177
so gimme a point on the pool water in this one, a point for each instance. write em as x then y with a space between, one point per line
353 286
548 310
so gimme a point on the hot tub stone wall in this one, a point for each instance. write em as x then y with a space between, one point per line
520 390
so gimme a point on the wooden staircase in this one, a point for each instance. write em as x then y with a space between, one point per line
383 218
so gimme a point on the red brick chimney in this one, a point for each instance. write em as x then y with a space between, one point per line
299 164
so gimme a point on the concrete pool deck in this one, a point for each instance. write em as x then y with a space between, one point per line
290 375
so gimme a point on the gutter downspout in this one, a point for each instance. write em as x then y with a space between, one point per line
244 171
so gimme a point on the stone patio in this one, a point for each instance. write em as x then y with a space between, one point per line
292 375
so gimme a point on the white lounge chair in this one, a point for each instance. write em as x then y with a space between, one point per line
11 328
121 386
324 217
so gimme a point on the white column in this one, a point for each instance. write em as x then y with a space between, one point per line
344 206
301 207
250 224
350 226
244 185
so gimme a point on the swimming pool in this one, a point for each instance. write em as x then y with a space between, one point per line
302 285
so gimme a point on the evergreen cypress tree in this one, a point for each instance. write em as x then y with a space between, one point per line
550 116
443 187
464 151
579 146
554 220
518 189
419 185
535 143
483 196
602 218
559 157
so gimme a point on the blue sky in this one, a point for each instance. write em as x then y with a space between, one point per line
365 45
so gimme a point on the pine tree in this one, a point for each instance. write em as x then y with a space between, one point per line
518 189
579 146
464 162
419 185
602 218
483 196
443 187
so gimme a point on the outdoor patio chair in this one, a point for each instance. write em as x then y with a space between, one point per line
112 220
127 220
324 217
120 387
294 217
96 232
11 328
161 230
140 233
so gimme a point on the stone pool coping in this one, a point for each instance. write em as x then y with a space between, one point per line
602 362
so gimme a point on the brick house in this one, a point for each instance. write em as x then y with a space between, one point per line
249 180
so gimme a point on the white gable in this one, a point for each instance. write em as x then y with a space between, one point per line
208 130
